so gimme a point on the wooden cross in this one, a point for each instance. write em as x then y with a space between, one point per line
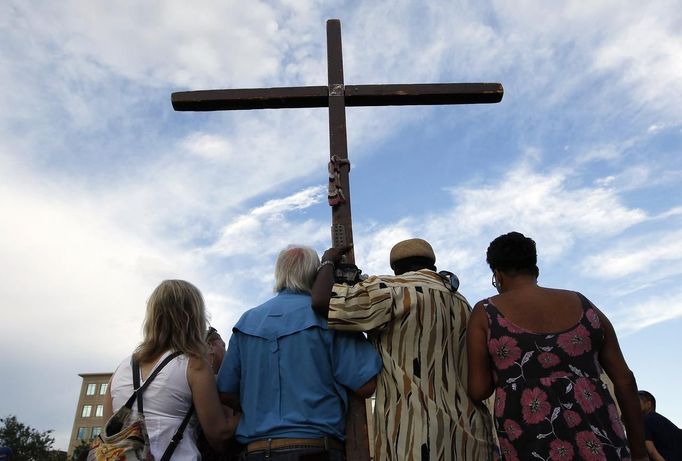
336 96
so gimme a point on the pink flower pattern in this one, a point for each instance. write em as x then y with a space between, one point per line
505 351
549 403
504 323
551 379
548 360
616 422
593 318
560 450
508 450
586 395
575 342
572 418
534 404
512 429
589 446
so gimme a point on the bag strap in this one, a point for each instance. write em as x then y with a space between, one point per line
136 380
177 437
136 383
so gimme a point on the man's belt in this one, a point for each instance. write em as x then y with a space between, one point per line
273 444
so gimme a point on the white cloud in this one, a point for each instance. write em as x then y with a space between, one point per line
298 201
644 51
653 256
267 229
208 146
610 151
671 213
170 42
646 313
69 262
373 243
544 205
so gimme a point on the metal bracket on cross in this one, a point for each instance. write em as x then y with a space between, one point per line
335 194
343 272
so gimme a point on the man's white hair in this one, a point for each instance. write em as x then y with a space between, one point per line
296 268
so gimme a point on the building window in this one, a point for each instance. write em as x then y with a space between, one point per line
87 410
82 433
103 388
99 410
96 431
91 389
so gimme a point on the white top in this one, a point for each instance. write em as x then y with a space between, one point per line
166 402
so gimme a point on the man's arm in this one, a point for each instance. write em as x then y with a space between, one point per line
356 363
231 400
321 291
367 389
216 426
654 455
229 375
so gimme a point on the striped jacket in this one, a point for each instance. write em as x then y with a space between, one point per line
422 411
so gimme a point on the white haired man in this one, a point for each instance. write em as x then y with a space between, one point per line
289 374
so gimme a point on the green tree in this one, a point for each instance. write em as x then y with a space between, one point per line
80 453
58 455
27 444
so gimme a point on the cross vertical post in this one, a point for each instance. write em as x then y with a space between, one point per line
357 440
342 230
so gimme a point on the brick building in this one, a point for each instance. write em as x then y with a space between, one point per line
89 420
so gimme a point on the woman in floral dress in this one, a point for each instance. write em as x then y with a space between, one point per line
541 351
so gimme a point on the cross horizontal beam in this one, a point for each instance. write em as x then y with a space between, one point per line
354 95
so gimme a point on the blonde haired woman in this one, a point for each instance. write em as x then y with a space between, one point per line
175 322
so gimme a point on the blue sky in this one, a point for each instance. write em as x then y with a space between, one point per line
105 191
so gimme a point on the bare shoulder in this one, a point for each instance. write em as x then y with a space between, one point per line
560 292
580 297
561 296
478 315
197 364
479 306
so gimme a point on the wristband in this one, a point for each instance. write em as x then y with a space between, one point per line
326 263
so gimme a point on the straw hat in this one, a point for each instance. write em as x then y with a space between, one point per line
412 248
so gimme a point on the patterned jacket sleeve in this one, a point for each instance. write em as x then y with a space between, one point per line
369 305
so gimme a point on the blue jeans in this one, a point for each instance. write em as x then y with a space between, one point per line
295 454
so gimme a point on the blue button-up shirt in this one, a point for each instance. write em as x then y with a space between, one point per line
292 374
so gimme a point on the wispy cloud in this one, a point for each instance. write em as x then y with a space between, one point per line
548 205
648 312
268 228
655 255
644 51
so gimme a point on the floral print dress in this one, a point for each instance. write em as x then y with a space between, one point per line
550 403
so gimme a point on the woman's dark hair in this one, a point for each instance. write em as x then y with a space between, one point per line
513 254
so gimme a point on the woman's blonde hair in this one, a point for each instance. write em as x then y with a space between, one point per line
175 321
296 268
